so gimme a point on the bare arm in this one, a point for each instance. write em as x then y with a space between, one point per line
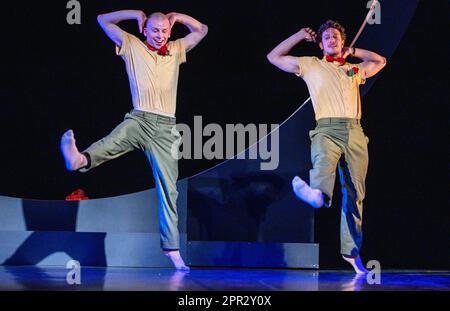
109 22
197 29
372 62
278 56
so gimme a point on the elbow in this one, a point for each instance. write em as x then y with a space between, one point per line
100 19
381 63
271 58
204 30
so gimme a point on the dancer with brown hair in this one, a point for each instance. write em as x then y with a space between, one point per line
338 139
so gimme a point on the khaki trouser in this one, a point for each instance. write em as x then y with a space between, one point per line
341 142
155 135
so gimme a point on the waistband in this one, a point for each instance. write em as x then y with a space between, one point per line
153 116
324 121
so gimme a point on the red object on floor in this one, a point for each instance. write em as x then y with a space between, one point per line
77 195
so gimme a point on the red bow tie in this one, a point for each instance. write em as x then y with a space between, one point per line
161 51
340 60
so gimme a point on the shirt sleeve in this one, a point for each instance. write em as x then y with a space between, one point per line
179 51
125 49
304 65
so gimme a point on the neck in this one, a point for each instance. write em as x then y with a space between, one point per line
332 54
148 43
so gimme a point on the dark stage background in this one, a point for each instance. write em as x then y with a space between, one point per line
57 76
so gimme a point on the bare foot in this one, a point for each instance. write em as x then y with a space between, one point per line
176 280
304 192
73 158
356 264
176 259
355 284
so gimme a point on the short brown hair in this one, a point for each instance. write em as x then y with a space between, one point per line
330 24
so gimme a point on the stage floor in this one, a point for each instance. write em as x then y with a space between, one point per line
216 279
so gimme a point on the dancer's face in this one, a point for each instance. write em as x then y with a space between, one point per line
332 43
157 31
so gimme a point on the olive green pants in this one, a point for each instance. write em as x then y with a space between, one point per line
341 142
155 135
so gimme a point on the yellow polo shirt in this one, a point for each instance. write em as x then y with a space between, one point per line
153 78
333 92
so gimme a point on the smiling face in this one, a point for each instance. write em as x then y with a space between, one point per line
332 42
157 30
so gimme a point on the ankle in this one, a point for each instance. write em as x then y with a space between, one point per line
316 198
171 251
85 160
